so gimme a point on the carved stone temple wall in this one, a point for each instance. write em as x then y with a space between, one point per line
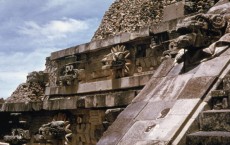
149 74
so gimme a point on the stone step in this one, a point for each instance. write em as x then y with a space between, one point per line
215 120
208 138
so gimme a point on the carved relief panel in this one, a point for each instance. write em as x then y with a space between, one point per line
89 127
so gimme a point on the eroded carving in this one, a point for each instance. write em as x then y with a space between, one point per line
54 130
18 136
69 75
205 38
51 69
118 61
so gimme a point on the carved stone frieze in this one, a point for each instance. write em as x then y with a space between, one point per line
69 75
202 37
89 127
54 130
117 61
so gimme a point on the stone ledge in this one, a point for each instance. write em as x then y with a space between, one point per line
165 26
101 44
117 99
106 85
18 107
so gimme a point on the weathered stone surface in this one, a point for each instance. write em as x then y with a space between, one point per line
215 120
218 93
164 68
101 44
137 132
106 100
111 115
120 99
116 131
209 138
17 107
132 110
62 103
206 69
189 104
196 87
172 89
164 26
226 83
173 11
146 94
106 85
159 110
167 128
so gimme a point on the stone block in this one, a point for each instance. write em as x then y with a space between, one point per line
196 87
103 85
99 100
150 142
189 104
173 11
115 132
86 102
137 132
167 128
226 83
83 48
212 67
218 93
227 52
94 45
215 120
164 68
47 91
120 98
144 79
155 110
53 105
124 37
67 103
208 138
143 32
109 41
86 87
70 51
171 89
81 102
176 70
145 93
132 110
22 107
111 114
159 28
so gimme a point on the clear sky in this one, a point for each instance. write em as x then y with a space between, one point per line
31 29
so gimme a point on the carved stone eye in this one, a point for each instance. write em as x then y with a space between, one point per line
218 21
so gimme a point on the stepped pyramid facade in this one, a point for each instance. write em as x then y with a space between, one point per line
154 73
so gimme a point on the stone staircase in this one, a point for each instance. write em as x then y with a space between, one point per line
214 124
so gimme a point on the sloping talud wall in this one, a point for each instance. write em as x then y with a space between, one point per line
160 111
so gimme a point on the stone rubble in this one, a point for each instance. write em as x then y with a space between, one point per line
31 91
131 15
27 92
